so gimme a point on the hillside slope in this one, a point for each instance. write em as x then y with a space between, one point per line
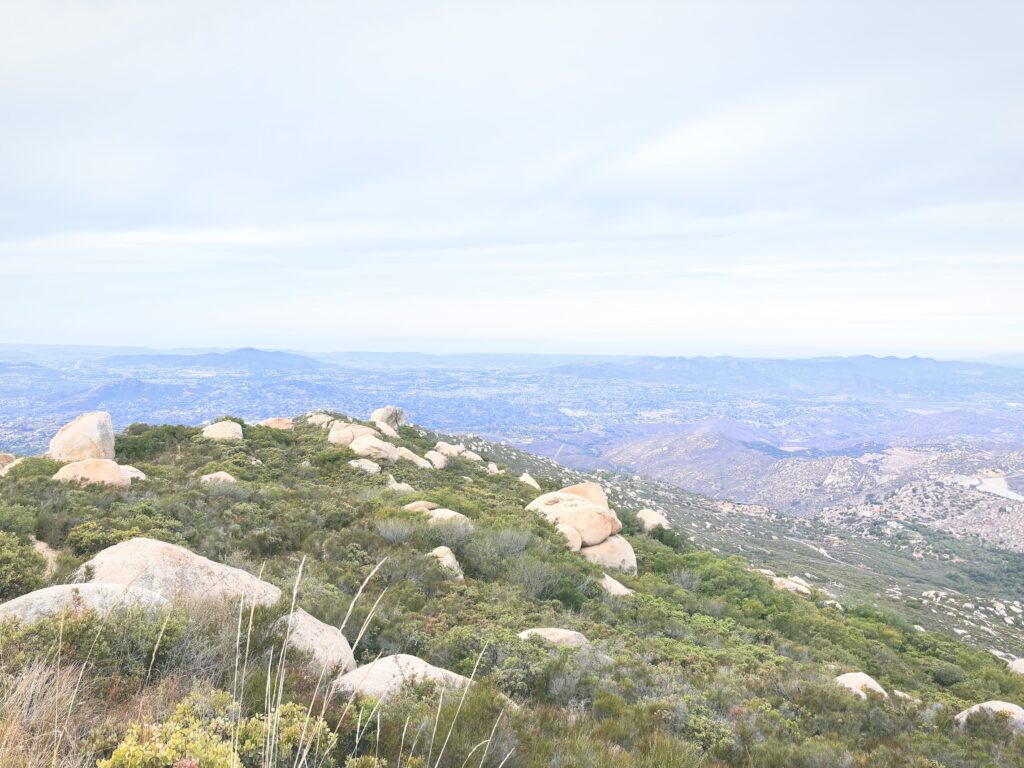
705 663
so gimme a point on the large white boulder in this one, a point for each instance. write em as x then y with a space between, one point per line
383 678
652 519
615 588
223 430
564 638
573 540
89 436
397 487
342 433
1016 667
174 572
320 419
437 459
386 429
365 465
50 601
449 450
324 643
861 684
406 455
371 447
447 560
277 423
528 479
613 552
472 456
594 522
217 478
442 516
391 415
98 472
1012 712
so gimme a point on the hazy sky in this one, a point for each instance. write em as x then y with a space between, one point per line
555 176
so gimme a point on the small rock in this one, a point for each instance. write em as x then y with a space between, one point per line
615 588
447 560
407 455
860 684
1013 712
365 465
397 487
652 519
278 423
525 478
217 478
343 433
385 677
391 415
613 552
438 459
563 638
223 430
421 506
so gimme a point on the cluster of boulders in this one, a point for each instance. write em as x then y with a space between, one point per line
87 443
582 515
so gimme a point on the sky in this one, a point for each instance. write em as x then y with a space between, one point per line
762 177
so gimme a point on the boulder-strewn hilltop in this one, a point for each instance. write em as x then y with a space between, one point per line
249 573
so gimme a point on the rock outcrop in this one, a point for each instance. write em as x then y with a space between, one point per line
785 584
95 596
370 447
492 469
563 638
386 429
615 588
594 522
217 478
437 459
471 456
573 540
1016 667
320 419
223 430
1013 713
6 468
386 676
441 516
406 455
365 465
861 684
90 436
397 487
325 644
98 472
651 519
342 433
447 560
174 572
614 552
278 423
420 506
391 415
526 478
449 450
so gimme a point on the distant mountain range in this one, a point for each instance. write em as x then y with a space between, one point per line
246 358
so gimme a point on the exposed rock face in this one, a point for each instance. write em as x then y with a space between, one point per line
861 684
365 465
385 677
613 552
5 459
594 523
96 596
784 584
492 469
564 638
407 455
437 459
97 472
421 506
172 571
447 560
320 419
1013 713
526 478
324 643
1016 667
342 433
652 519
397 487
223 430
371 447
573 540
217 478
386 429
439 516
9 466
615 588
472 456
592 492
449 450
391 415
277 423
90 436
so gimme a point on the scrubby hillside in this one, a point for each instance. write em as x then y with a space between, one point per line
706 662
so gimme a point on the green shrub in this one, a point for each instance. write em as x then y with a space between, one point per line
22 569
